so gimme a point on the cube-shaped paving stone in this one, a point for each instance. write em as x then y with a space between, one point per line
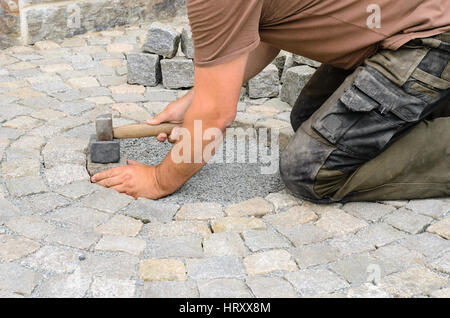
162 40
301 60
187 44
265 84
177 73
104 151
295 81
143 69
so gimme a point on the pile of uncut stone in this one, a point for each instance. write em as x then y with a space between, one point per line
161 62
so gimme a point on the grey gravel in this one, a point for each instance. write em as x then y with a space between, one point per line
222 183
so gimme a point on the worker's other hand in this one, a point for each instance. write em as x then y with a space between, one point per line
135 179
173 113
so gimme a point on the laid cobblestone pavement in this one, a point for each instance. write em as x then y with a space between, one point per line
61 236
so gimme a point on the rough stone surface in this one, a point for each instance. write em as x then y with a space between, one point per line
14 248
304 234
340 223
180 246
78 216
118 266
73 236
113 288
65 174
54 259
73 285
162 40
30 226
131 245
254 207
162 270
441 228
107 200
236 224
430 207
156 289
267 262
270 287
199 211
224 244
355 268
151 211
313 282
143 69
441 293
426 244
17 279
19 187
120 225
442 264
380 234
368 210
314 254
215 267
25 168
265 84
283 200
257 240
413 282
296 78
187 44
177 73
409 222
292 217
223 288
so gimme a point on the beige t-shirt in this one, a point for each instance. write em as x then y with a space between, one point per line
341 33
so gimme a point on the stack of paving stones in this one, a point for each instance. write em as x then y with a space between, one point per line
61 236
158 62
167 57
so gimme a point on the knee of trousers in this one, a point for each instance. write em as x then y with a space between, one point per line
300 163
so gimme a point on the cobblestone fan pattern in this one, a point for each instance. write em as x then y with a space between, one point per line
61 236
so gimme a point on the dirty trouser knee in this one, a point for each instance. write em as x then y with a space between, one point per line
319 88
370 119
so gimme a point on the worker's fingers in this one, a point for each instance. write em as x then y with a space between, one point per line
158 119
111 182
162 137
120 188
171 140
174 135
106 174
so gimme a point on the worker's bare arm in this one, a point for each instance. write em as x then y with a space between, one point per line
216 94
217 91
258 59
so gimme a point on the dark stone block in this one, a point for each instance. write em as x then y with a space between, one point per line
104 151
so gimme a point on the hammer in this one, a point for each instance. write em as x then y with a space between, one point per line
104 147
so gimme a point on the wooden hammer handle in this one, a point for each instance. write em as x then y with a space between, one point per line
142 130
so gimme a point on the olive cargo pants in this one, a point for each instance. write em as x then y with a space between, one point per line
381 132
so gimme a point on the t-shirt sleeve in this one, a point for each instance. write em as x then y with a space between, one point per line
223 29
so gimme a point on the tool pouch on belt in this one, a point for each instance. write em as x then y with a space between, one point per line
393 91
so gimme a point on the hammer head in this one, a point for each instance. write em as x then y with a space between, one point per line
103 148
104 128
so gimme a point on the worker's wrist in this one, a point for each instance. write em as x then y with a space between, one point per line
164 188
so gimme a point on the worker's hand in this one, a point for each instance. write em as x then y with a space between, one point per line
173 113
135 179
